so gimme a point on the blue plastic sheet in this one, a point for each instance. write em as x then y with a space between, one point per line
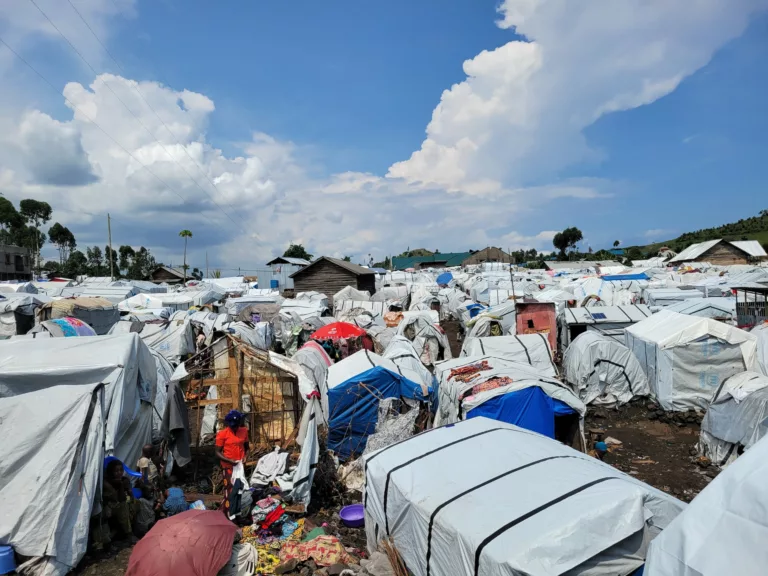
444 278
354 405
529 408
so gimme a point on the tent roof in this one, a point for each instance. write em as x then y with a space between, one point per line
717 306
288 260
607 314
476 523
531 349
723 530
750 247
668 329
363 361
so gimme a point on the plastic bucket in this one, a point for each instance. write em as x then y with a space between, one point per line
7 560
274 284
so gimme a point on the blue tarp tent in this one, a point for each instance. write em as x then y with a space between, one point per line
475 309
619 277
444 279
353 407
529 408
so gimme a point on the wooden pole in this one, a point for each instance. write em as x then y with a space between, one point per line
109 232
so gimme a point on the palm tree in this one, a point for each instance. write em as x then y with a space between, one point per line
186 234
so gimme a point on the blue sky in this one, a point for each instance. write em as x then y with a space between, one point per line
360 128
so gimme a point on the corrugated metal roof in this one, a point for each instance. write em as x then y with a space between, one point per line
607 314
354 268
695 250
751 247
289 260
450 259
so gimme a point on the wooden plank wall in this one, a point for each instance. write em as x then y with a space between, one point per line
326 278
723 254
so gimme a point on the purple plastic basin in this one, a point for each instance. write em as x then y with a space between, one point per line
353 515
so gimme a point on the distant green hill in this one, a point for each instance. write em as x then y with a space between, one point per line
753 228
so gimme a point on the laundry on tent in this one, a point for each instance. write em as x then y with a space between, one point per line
531 349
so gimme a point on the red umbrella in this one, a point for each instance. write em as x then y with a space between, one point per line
338 330
193 543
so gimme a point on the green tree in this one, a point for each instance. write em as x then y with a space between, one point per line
347 258
35 213
110 253
197 274
126 257
95 261
567 240
616 243
186 234
10 220
142 265
76 265
297 251
64 240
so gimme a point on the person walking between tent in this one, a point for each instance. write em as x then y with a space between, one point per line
231 448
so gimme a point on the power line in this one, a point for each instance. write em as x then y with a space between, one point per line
141 95
133 114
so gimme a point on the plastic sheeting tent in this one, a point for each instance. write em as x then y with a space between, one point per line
123 363
723 530
429 340
531 349
98 313
723 309
51 469
602 371
686 358
761 333
354 387
350 293
508 392
403 355
736 419
487 498
607 320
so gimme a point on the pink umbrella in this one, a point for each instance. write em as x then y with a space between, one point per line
193 543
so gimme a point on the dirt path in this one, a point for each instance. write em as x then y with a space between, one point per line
661 454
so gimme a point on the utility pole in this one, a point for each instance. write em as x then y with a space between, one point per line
511 276
109 231
206 264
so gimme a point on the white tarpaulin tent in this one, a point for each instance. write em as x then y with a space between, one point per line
50 463
402 353
761 333
686 358
485 498
468 383
724 530
429 340
607 320
122 363
602 371
662 297
531 349
737 418
718 308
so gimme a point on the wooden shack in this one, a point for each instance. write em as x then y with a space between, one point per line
246 380
167 274
722 252
329 275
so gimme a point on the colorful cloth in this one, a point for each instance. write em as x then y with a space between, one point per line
491 384
269 551
226 484
175 502
324 550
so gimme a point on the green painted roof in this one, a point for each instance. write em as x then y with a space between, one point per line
450 258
